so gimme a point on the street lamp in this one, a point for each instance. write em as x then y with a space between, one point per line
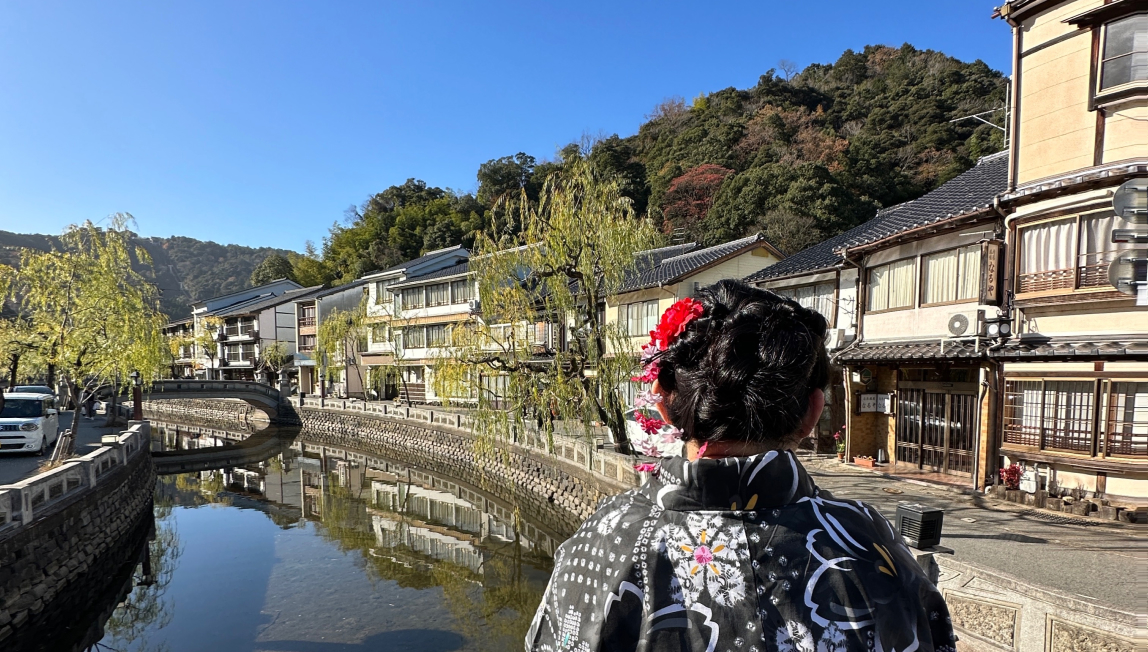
137 396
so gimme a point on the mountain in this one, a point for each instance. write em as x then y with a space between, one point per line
185 269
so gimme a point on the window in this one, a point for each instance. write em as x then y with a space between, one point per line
638 319
306 316
953 275
306 342
438 294
382 294
438 335
1059 415
414 337
1069 253
378 333
815 297
1125 56
246 325
412 298
462 291
1128 420
892 286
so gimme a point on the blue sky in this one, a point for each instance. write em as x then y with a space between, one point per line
258 122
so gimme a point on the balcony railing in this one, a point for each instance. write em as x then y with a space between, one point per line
306 322
1091 271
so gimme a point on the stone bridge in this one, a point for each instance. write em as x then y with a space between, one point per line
257 394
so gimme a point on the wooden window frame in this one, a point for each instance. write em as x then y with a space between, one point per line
921 278
1077 219
916 289
1099 97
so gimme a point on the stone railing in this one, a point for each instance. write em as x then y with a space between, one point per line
23 502
570 444
241 389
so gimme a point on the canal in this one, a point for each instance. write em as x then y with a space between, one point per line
324 549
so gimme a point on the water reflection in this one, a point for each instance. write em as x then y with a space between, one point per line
323 548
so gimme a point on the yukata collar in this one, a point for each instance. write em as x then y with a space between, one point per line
768 480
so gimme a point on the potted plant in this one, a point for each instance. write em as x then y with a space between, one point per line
865 461
839 442
1010 475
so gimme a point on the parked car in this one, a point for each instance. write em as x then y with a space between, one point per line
33 389
656 445
29 423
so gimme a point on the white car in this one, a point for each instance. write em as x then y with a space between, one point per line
656 445
29 423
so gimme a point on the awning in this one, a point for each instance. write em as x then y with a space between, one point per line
910 351
1077 348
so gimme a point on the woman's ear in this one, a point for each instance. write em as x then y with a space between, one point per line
661 405
812 414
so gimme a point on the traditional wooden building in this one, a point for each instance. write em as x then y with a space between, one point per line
1074 379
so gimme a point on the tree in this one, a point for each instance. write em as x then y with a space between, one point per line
20 343
308 269
273 357
99 314
338 338
502 176
273 268
576 248
689 198
206 341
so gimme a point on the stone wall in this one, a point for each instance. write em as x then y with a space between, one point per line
50 567
561 495
219 410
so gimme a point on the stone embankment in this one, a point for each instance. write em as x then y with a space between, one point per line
62 536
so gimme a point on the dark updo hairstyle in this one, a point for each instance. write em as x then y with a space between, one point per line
743 371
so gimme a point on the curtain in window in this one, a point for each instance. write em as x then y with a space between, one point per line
652 317
902 284
413 298
438 294
969 281
414 337
940 277
461 291
1046 247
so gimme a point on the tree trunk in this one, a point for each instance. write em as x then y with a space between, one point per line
13 367
110 417
51 375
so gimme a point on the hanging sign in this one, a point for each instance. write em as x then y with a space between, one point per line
991 253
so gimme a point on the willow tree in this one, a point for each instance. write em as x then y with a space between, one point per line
337 339
98 314
206 340
576 246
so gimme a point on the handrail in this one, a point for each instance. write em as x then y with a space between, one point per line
23 502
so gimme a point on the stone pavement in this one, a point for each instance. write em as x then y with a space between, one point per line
1097 562
14 467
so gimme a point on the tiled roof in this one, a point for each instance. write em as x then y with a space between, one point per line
264 302
655 268
895 351
424 258
969 192
453 270
1068 348
337 289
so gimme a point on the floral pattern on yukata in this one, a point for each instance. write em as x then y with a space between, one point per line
705 555
737 554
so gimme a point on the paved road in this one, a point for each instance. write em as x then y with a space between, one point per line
16 467
1098 563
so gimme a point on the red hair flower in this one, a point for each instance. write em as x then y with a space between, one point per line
674 321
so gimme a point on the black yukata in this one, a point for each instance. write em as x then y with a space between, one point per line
742 554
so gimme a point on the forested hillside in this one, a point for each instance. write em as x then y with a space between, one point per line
801 158
185 269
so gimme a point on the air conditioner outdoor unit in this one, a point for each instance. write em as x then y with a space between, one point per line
967 324
836 338
475 305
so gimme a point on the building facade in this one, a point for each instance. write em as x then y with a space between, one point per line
1073 381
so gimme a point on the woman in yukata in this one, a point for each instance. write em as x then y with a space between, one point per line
732 546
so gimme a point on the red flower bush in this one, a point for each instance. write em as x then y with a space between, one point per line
1010 476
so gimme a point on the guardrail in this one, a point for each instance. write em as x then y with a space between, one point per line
213 388
569 444
23 502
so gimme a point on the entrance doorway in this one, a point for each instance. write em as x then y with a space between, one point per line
936 428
